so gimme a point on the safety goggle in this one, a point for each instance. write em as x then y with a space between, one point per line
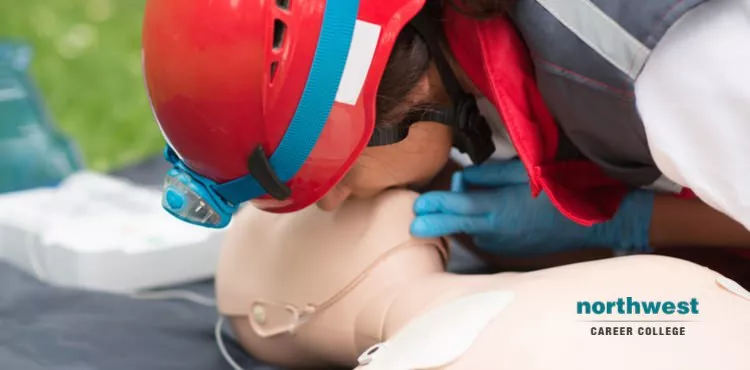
192 198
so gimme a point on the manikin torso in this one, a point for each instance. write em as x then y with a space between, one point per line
319 288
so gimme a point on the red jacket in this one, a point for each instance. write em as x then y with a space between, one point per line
495 59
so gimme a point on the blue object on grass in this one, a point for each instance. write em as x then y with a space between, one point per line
33 153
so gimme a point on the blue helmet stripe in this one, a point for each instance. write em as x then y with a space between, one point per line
315 105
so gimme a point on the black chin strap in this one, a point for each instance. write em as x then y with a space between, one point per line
471 133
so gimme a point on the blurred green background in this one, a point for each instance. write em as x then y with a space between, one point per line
87 63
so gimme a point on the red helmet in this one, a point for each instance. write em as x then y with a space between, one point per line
271 100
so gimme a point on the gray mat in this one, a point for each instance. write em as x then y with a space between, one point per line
44 327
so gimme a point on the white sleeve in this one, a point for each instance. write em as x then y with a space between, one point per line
694 98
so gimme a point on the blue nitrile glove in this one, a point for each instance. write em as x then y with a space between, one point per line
506 219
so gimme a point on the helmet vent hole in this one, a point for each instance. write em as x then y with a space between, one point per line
279 28
283 4
274 68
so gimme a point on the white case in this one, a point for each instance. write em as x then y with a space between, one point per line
100 233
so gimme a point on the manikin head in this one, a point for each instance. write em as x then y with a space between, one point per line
287 103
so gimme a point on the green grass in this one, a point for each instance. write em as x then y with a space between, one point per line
87 63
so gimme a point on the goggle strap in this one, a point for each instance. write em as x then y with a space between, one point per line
392 134
389 134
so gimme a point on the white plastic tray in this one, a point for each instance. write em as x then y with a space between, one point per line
101 233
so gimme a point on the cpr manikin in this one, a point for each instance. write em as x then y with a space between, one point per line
318 288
